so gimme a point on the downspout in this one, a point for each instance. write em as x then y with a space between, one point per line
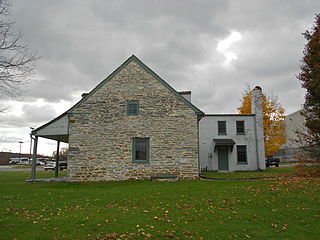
256 141
199 117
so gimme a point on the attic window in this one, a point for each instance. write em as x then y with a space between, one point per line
133 108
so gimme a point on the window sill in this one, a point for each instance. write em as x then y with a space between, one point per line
242 163
241 134
222 134
142 161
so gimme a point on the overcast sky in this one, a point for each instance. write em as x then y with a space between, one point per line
214 48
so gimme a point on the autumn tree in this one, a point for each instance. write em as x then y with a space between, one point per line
310 80
16 61
273 120
63 154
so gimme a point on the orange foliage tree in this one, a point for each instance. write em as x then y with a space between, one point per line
273 120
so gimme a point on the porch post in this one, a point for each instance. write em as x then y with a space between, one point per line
34 159
57 161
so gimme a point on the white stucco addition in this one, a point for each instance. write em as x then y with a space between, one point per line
233 148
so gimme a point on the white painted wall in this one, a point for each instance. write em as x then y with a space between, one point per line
208 128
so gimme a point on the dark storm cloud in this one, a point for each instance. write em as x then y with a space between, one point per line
81 42
29 115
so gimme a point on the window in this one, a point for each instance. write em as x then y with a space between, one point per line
222 129
240 127
133 108
242 154
140 150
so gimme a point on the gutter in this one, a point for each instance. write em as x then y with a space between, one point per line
256 142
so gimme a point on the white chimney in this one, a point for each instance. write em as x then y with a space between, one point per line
256 106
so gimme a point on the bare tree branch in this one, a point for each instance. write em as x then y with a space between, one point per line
16 60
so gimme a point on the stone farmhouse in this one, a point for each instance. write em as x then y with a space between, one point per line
134 125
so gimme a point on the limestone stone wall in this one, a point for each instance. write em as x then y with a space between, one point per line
100 132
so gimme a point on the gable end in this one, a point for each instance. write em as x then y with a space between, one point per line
147 69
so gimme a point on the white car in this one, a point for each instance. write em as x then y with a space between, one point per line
52 166
14 160
24 161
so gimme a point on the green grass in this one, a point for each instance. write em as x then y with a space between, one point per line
271 171
289 162
255 209
23 166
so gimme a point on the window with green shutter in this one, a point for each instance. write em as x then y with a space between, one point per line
133 108
240 127
242 154
222 128
140 150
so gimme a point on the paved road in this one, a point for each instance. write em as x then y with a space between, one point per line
7 168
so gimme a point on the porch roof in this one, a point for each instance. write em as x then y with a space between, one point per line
57 129
223 142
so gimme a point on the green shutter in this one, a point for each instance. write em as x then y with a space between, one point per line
242 154
240 127
140 150
222 128
132 108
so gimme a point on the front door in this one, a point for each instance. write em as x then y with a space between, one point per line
223 163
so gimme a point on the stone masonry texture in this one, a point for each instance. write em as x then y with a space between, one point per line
100 142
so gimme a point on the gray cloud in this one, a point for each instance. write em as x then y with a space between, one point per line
30 115
81 42
10 139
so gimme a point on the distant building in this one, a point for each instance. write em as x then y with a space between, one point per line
5 157
294 124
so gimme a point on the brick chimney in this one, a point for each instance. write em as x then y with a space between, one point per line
256 106
84 95
186 95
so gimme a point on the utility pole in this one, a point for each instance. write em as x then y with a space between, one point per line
20 151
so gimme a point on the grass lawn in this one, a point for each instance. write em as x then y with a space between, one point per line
246 209
270 171
23 166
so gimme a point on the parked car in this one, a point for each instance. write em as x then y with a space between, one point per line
63 165
272 161
14 161
52 165
24 161
40 162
